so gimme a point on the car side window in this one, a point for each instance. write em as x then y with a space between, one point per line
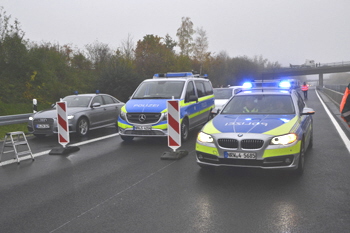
108 99
301 103
208 88
200 88
190 90
97 99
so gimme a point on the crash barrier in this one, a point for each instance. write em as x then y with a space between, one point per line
18 143
14 119
334 95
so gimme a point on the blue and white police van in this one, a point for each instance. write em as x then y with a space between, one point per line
145 114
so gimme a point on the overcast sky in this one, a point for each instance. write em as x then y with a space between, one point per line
286 31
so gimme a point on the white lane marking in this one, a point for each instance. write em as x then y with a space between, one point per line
7 162
336 125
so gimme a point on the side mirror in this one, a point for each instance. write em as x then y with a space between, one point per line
308 111
95 105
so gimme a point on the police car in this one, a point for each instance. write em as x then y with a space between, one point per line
268 128
145 114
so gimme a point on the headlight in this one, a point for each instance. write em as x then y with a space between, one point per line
31 118
164 116
284 139
123 115
70 117
203 137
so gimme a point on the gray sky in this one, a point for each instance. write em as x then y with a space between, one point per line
286 31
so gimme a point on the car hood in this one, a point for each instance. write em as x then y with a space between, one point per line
52 113
267 124
146 105
220 102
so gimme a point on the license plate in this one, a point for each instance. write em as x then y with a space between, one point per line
42 126
240 155
142 127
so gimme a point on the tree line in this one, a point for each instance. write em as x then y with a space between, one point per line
47 71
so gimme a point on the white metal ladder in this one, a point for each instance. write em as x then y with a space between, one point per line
15 140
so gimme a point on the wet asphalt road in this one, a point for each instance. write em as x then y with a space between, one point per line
113 186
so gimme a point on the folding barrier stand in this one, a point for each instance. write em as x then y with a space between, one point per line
15 140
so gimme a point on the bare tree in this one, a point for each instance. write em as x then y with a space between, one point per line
128 48
200 47
184 33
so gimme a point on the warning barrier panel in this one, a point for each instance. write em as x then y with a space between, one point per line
174 129
62 123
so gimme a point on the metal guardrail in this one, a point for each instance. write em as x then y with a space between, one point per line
14 119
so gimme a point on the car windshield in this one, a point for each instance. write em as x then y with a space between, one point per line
221 93
159 90
260 104
77 101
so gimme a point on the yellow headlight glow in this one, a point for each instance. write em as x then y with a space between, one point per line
284 139
203 137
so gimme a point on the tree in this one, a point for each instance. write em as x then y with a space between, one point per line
169 42
200 47
152 56
184 33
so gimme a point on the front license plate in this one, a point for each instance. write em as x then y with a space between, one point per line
42 126
142 127
240 155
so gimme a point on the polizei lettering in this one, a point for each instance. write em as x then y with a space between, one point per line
146 105
246 123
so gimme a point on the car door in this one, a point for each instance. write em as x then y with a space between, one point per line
111 109
191 105
97 114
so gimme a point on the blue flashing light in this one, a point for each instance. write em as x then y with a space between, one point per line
247 85
75 92
284 84
182 74
97 91
156 76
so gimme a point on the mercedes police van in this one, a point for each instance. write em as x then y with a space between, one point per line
145 114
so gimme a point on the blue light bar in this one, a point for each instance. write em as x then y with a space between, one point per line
247 85
182 74
284 84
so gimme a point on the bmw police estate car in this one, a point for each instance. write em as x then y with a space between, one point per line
145 114
268 128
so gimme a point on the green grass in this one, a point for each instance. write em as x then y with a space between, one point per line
14 109
12 128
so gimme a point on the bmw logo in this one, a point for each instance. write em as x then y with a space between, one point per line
240 135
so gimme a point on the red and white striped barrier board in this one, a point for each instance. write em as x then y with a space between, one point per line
62 123
174 129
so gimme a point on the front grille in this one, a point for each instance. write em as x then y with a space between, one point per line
143 118
252 143
144 132
228 143
245 144
48 121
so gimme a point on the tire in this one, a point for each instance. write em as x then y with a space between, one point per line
300 170
184 130
127 138
82 126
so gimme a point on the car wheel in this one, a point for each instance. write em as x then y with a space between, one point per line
82 126
184 130
300 170
126 138
311 143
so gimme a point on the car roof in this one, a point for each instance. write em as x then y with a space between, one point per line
265 91
87 94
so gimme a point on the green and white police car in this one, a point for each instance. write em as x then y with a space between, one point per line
267 128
